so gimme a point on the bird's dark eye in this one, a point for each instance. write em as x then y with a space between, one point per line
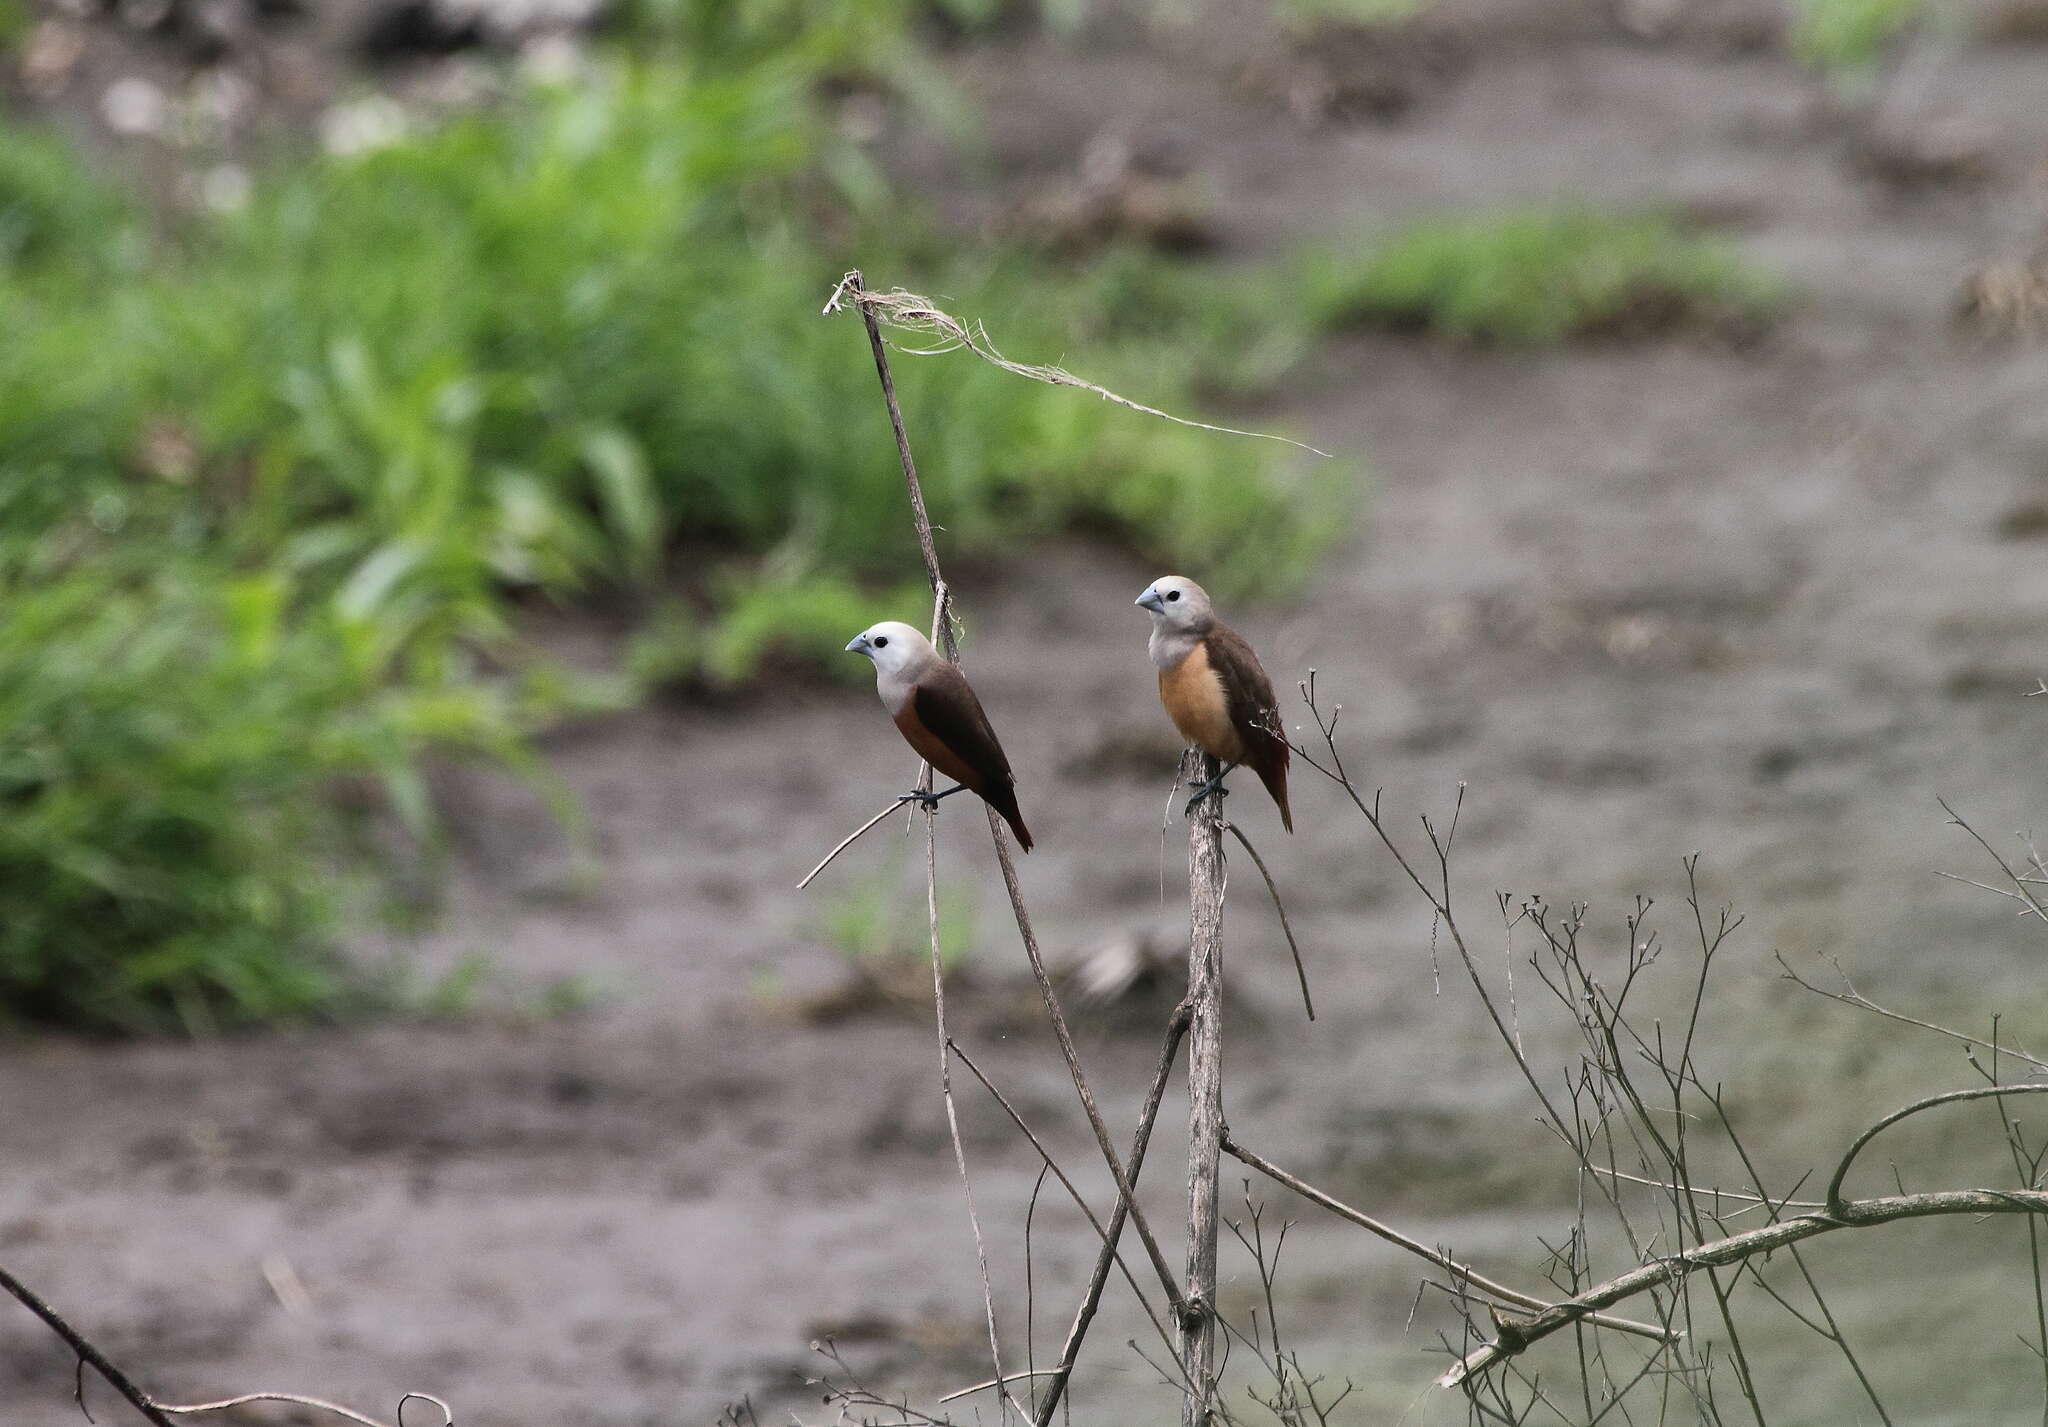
1173 594
882 642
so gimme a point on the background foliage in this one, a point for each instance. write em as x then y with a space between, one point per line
279 475
275 482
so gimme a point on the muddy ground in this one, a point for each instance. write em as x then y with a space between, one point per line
1764 602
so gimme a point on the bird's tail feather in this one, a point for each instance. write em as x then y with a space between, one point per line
1004 801
1274 776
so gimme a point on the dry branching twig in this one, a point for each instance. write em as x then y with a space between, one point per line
1638 1092
896 805
161 1413
911 313
1463 1277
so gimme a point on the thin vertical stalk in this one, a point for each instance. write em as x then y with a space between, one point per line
1206 879
988 1293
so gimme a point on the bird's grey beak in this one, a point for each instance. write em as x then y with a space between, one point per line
1150 600
857 645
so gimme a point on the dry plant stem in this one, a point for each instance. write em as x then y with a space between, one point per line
919 517
76 1341
985 1386
1206 882
1518 1334
161 1413
1983 1092
1714 1192
988 1298
1067 1184
2021 891
1438 895
1176 1030
832 856
1300 973
912 313
319 1404
1850 996
851 286
1460 1274
1065 1037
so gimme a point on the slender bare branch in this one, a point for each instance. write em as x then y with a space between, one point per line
1081 1203
161 1413
1065 1037
853 837
1463 1274
1516 1335
1749 1201
318 1404
1293 949
988 1299
985 1386
1981 1092
912 313
138 1399
1850 996
1176 1029
2021 887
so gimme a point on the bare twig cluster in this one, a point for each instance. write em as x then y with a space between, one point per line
1631 1114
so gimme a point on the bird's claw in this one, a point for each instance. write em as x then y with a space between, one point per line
1213 788
920 797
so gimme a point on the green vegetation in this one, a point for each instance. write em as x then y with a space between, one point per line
273 483
169 736
883 922
1846 39
14 23
1362 13
1539 276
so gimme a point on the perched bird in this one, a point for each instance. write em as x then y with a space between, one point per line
1214 689
938 715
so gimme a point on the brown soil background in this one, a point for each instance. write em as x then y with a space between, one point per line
1765 603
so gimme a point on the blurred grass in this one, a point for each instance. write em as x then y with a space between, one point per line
1848 39
274 483
1538 276
1307 14
170 735
883 920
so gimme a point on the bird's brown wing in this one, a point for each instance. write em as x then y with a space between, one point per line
962 744
1254 712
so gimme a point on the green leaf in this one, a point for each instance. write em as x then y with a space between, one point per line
631 508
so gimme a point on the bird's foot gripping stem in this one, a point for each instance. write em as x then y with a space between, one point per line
928 801
1212 788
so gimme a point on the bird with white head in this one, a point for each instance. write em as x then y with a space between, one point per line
1214 689
936 711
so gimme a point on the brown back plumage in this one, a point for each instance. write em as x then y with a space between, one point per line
1254 712
959 741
